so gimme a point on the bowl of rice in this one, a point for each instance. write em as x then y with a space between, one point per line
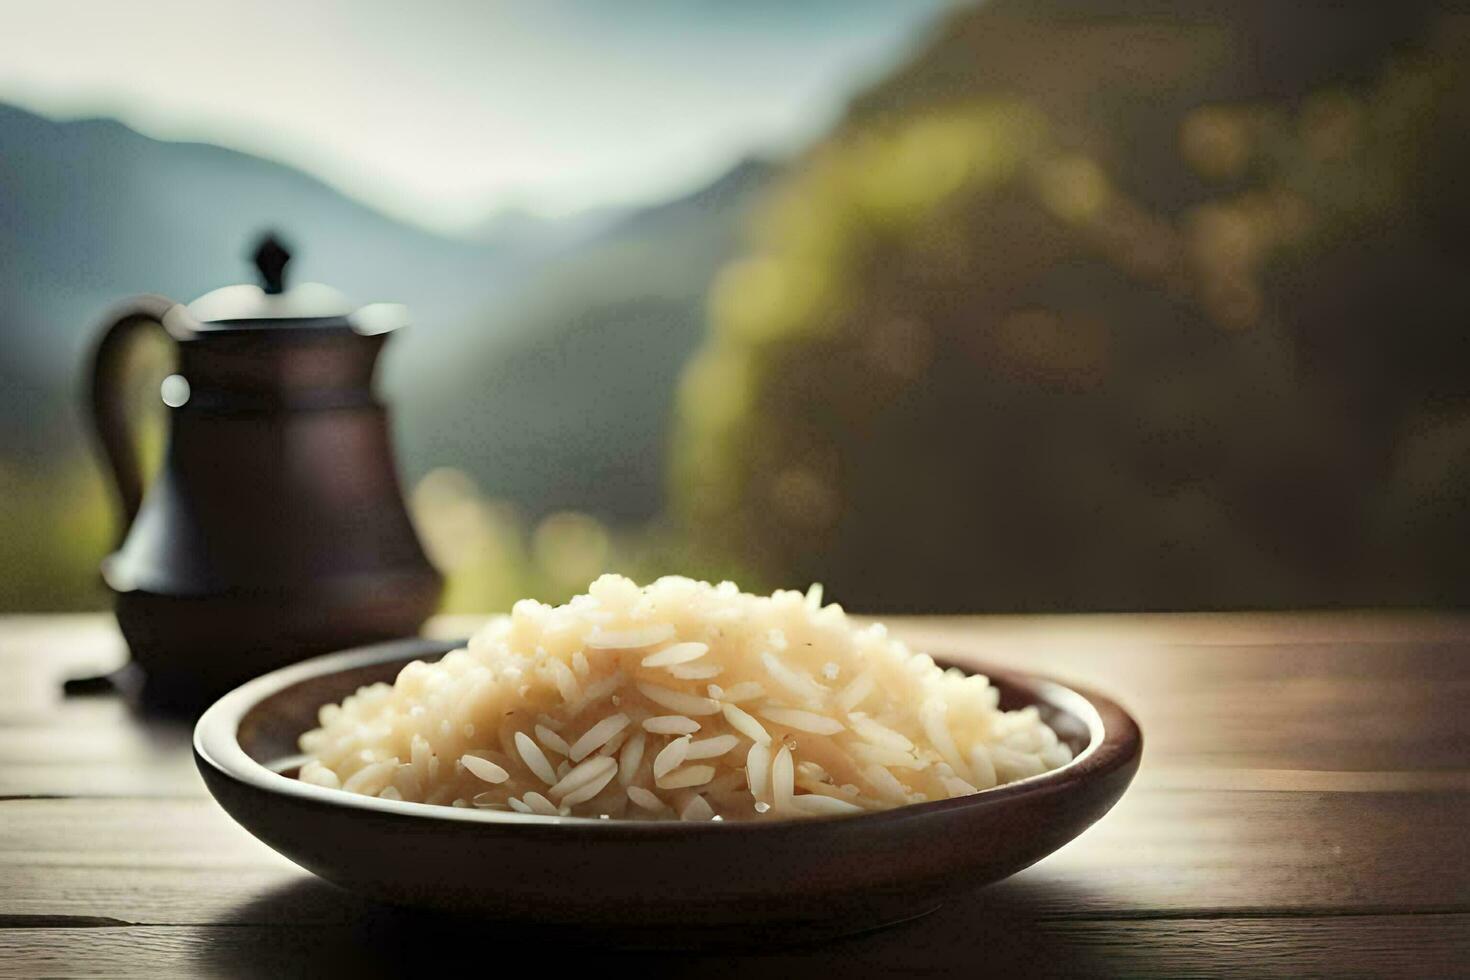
668 760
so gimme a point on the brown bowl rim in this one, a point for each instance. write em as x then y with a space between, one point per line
1115 742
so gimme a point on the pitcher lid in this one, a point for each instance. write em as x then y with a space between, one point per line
307 304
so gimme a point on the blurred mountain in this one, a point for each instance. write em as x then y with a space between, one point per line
92 212
516 226
541 361
543 353
565 399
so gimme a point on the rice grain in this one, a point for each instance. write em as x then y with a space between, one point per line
484 769
597 735
534 758
671 725
671 756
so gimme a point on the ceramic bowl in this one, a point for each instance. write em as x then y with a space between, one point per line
642 880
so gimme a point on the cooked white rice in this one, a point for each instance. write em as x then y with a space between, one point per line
677 700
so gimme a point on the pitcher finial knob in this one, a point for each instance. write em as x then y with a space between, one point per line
271 258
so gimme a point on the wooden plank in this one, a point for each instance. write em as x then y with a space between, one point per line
118 758
1125 631
263 892
1345 708
953 941
38 652
91 639
1305 784
171 777
1175 853
1232 629
95 746
1299 780
1321 706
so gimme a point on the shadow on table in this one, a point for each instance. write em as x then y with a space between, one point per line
1020 925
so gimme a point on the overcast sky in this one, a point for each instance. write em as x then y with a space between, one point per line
446 111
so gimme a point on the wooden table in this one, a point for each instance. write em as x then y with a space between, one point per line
1302 809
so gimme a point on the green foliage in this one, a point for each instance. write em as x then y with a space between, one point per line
59 518
57 525
974 360
492 555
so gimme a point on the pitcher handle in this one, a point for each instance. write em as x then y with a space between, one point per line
110 421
